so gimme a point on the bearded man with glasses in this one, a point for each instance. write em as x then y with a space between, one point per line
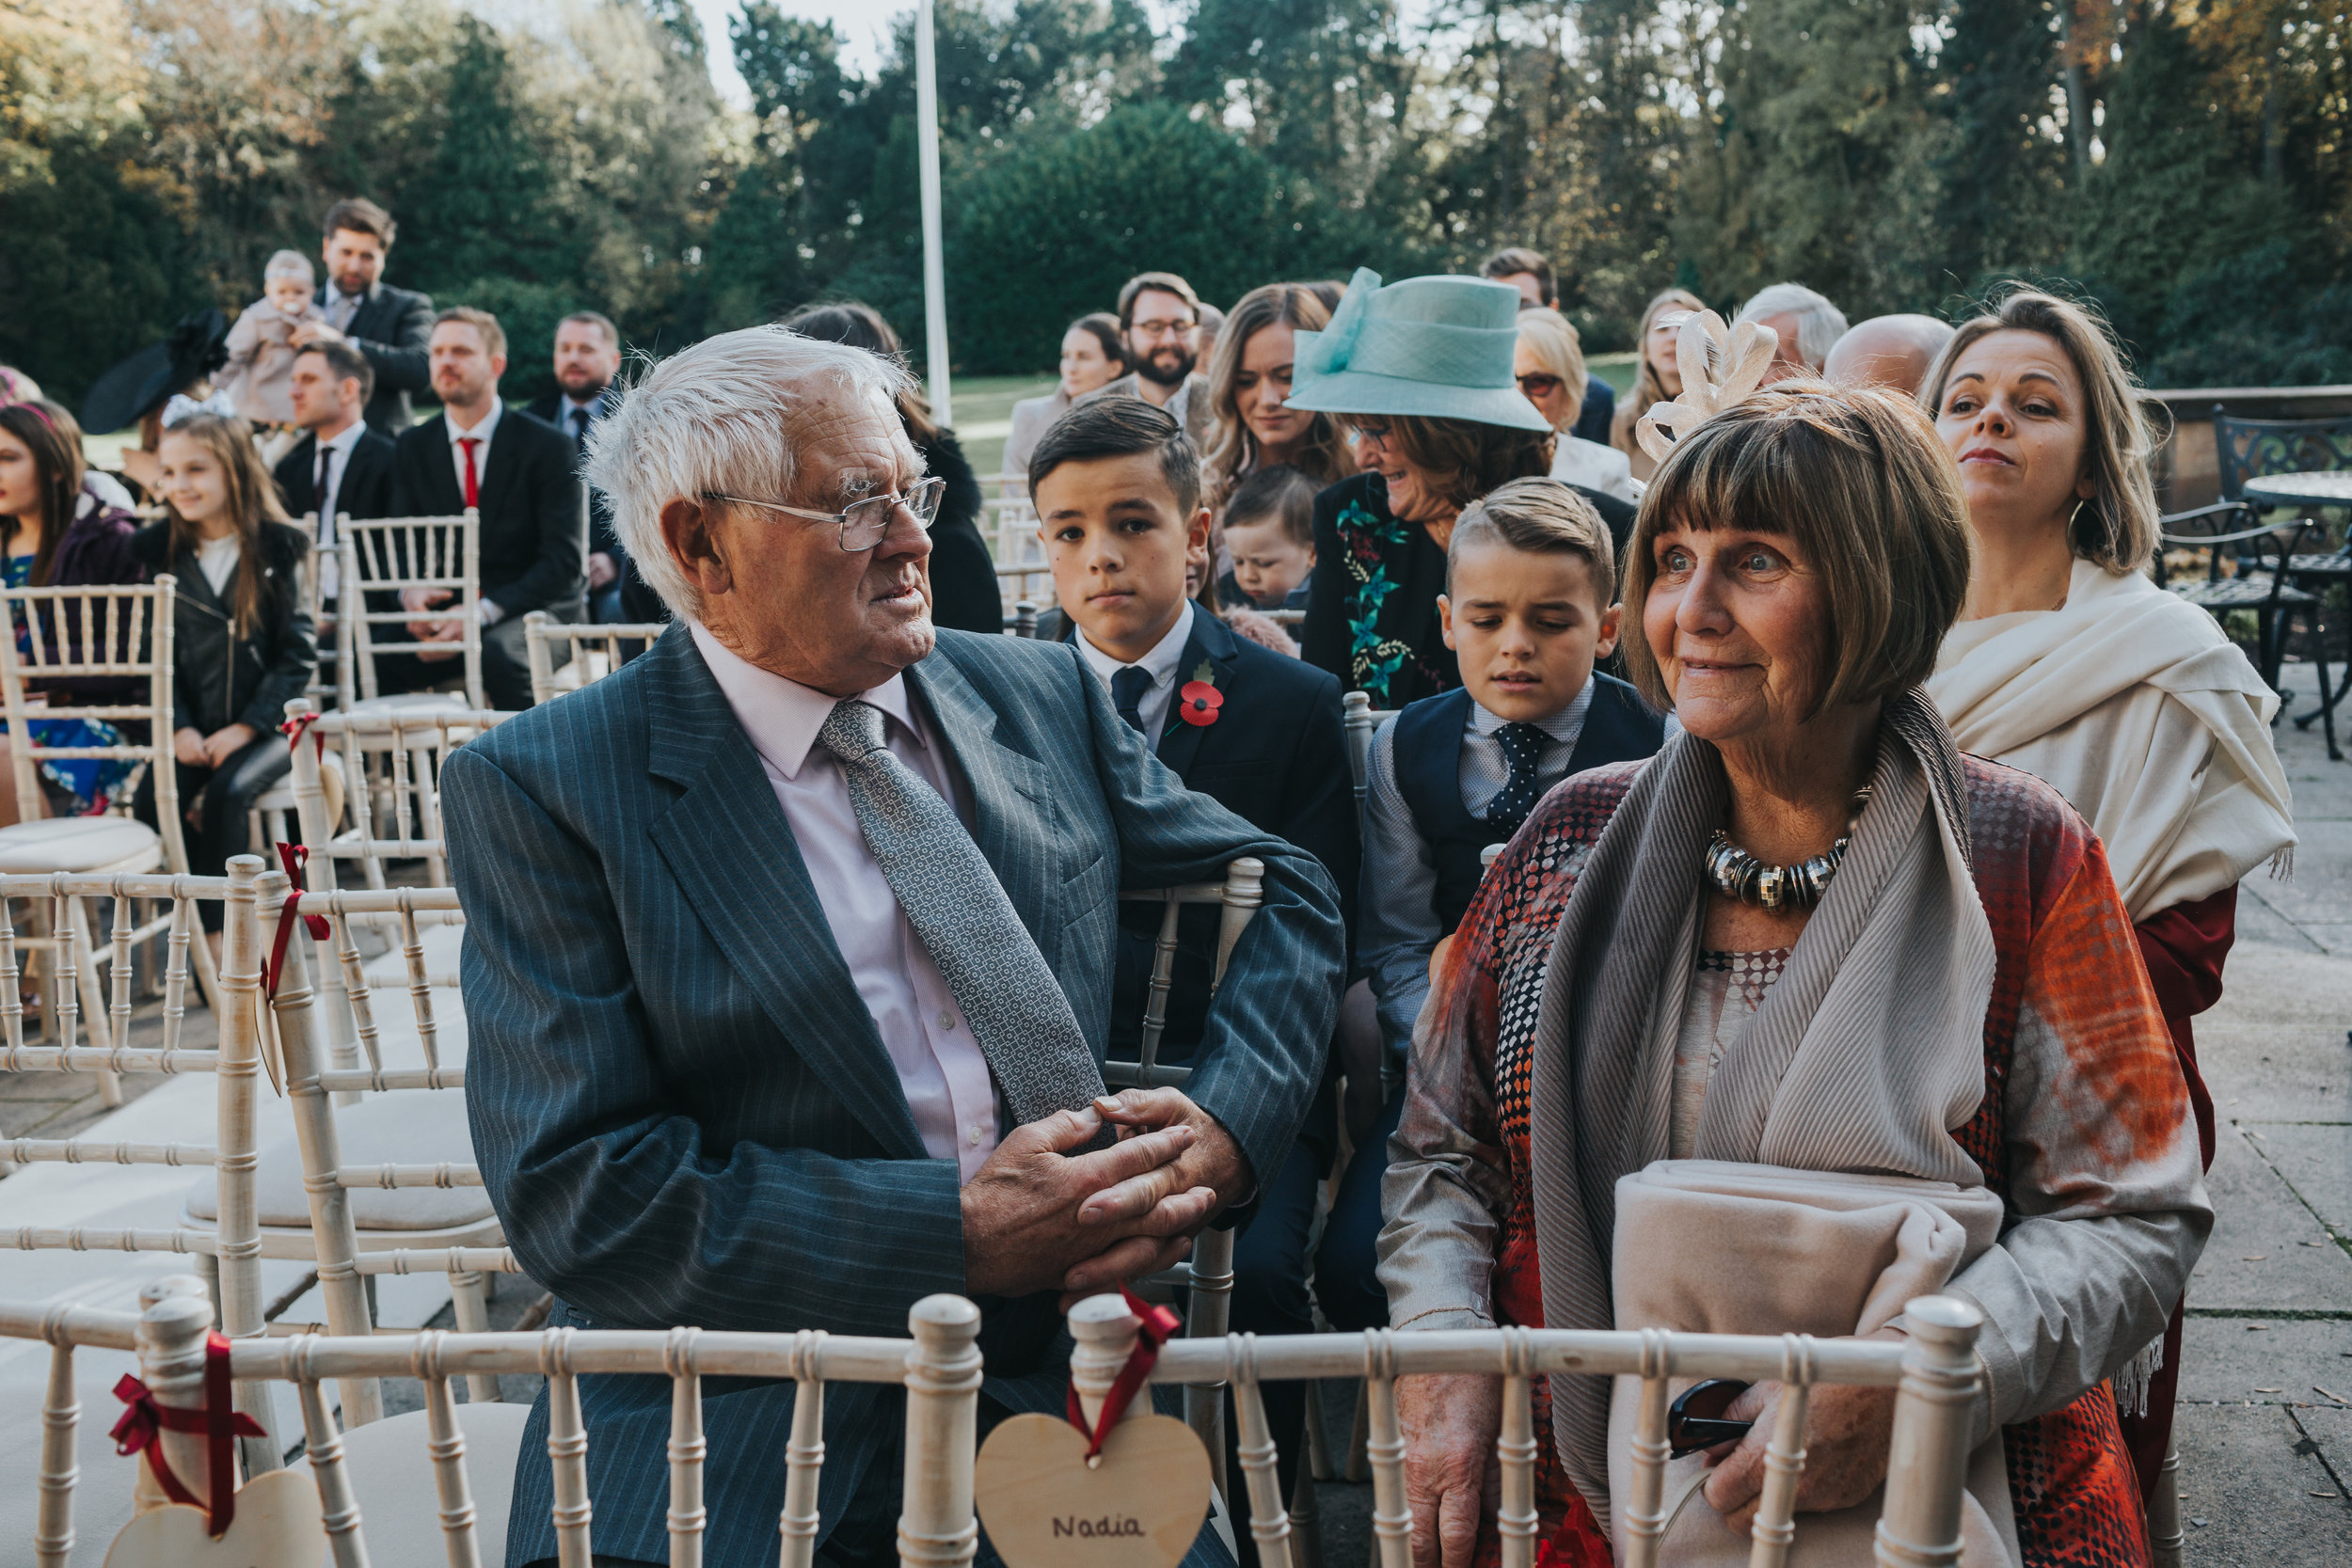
1160 318
790 956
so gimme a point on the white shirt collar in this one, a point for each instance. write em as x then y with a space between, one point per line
487 428
573 404
1160 663
348 439
1564 725
781 716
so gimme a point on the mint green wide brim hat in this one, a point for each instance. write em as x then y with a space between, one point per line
1438 347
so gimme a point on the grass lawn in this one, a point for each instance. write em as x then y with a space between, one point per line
983 410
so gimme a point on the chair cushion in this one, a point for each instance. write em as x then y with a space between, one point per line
79 844
412 1126
393 1480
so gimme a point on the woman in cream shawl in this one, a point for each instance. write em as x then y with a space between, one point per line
1959 1022
2069 663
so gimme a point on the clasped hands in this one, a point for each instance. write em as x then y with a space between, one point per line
1039 1216
1453 1478
452 630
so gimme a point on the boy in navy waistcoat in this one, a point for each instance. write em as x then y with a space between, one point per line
1530 606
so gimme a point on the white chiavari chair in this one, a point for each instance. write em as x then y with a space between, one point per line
1013 519
581 664
423 1486
390 770
116 633
379 1176
1285 617
1208 1274
387 556
232 1250
1032 580
1934 1372
1023 621
1361 722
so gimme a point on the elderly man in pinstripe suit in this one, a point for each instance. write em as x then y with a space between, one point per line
791 950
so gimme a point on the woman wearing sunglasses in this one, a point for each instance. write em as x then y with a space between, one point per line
1549 367
1803 1017
1420 372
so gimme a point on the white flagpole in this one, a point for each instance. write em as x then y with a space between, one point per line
934 265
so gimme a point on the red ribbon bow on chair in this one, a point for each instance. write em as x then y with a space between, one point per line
144 1423
293 858
294 729
1158 1325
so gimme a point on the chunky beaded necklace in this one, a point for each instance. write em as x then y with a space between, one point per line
1740 874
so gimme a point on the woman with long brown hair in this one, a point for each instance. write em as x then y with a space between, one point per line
243 643
1251 425
1655 379
57 532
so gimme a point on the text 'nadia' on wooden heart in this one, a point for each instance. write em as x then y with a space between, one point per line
1140 1505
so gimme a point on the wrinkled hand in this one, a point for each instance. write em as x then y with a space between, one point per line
1038 1218
1847 1430
225 742
1215 1160
187 744
1452 1476
601 570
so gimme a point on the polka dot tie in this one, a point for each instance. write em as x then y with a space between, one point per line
952 899
1523 749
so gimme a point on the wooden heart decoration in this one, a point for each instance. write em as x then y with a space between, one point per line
1141 1506
278 1526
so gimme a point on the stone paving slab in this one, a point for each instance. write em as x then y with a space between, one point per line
2315 1159
2321 888
2267 1251
2273 1049
2276 1361
2242 1476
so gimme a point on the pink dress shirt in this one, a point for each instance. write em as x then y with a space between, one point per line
940 1065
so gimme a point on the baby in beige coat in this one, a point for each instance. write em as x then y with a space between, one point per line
258 376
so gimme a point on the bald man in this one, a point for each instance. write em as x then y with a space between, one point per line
1892 351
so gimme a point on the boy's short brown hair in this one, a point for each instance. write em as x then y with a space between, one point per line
1542 516
1122 427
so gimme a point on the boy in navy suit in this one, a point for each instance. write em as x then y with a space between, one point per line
1530 606
1117 488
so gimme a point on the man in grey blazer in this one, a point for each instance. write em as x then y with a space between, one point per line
789 956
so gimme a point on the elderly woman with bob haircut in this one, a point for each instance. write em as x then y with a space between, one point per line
1724 1028
2069 663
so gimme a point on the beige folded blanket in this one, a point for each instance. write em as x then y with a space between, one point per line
1718 1247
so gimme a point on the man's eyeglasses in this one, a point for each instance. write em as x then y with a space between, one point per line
865 523
1539 385
1163 328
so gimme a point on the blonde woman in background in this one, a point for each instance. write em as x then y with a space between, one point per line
1550 365
1656 378
1092 356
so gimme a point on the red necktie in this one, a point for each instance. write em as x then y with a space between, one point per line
473 480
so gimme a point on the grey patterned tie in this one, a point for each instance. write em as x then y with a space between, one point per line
1014 1005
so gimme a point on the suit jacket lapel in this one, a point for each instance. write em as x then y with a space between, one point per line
728 844
446 498
499 461
1211 641
1012 803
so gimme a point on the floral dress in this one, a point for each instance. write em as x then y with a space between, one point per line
98 785
1372 611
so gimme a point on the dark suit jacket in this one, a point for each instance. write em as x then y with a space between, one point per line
532 522
1595 413
366 489
682 1108
552 411
1276 757
394 327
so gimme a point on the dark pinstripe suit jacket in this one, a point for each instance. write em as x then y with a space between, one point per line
682 1109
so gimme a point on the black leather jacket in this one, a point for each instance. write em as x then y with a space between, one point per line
219 678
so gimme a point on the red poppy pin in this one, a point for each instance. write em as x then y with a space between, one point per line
1199 699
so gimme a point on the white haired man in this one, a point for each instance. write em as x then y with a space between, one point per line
1892 351
1809 326
790 956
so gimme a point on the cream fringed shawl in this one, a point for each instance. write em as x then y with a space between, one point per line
2129 701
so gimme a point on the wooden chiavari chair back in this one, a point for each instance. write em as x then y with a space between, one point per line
1361 722
392 786
356 1471
591 650
382 558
